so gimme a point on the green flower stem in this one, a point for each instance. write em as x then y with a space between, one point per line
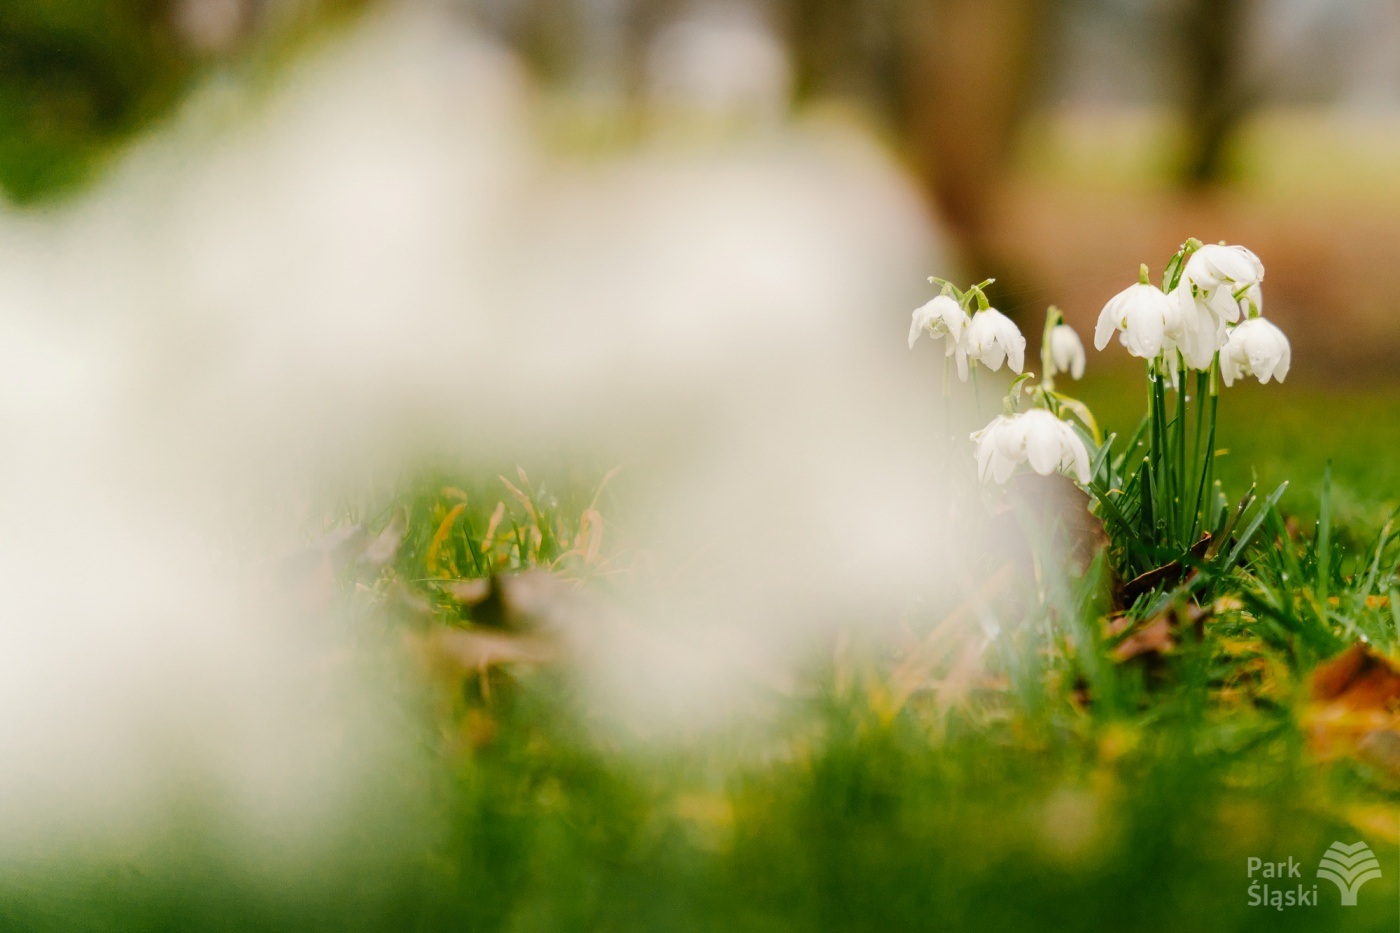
1179 481
1158 455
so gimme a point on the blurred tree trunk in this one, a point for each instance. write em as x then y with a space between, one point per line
970 68
953 77
1214 94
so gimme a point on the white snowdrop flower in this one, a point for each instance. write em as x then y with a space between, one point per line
992 338
1197 330
1143 314
1066 351
1214 265
1035 437
1255 347
943 317
1214 273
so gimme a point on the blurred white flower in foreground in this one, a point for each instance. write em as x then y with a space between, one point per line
1035 437
1255 347
1143 315
992 339
308 289
1066 351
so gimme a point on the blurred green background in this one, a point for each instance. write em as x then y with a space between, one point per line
1058 143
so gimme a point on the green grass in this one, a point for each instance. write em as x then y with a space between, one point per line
1062 790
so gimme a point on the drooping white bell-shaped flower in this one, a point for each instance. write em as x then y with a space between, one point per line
1143 315
1215 264
943 317
992 338
1066 351
1255 347
1034 437
1197 330
1215 274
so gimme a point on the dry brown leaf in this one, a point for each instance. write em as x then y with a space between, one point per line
1359 677
1153 637
1164 575
1355 708
1157 635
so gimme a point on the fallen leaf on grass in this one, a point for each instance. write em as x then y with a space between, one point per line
1355 709
1165 575
1359 677
1152 637
1157 635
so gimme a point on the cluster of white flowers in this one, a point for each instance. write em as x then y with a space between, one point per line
1212 313
989 338
1219 292
986 336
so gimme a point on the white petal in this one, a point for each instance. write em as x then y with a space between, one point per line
984 459
954 318
1254 261
1145 330
1212 265
1080 456
1228 372
1107 323
1016 353
1223 304
1285 360
986 440
1002 467
1261 361
1043 448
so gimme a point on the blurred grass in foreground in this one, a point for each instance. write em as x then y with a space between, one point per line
1026 803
